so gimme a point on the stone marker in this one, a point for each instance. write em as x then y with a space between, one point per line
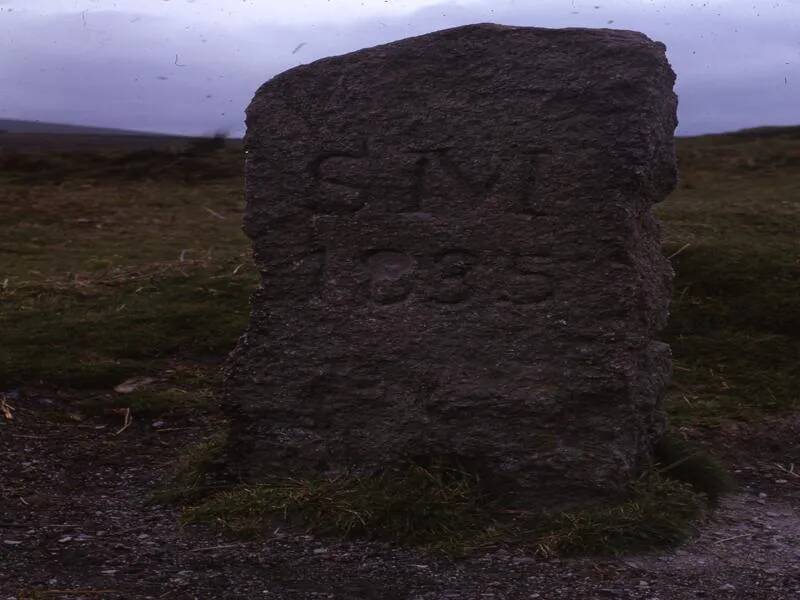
460 262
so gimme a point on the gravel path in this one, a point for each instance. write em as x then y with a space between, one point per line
75 523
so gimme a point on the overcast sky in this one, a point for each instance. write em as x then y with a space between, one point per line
191 66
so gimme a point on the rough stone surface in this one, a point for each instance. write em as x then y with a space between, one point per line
460 261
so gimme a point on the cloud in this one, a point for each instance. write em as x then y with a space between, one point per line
191 69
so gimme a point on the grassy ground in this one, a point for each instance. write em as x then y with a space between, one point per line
732 227
132 264
108 275
447 511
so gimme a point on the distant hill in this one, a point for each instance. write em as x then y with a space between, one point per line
790 131
765 131
40 136
17 126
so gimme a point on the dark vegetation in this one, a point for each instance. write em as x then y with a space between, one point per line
109 275
677 460
131 263
18 126
190 161
446 510
735 327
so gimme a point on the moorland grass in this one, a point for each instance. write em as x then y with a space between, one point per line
735 316
89 339
106 277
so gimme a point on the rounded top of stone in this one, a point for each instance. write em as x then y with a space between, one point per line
571 34
471 38
487 27
487 45
588 35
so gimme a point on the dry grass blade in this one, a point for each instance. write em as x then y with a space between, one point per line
679 250
788 470
733 537
6 409
128 419
214 213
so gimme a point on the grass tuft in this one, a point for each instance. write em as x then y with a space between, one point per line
428 506
658 512
190 480
676 459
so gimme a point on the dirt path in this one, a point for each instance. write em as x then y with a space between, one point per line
75 518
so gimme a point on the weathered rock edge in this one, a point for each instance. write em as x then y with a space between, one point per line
460 262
